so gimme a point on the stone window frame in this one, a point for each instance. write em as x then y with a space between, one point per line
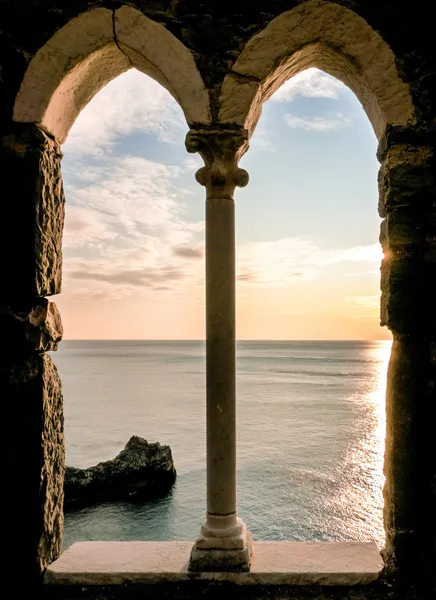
95 47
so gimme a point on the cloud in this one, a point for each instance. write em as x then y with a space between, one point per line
368 302
111 276
261 140
371 254
275 263
130 103
193 162
318 124
126 229
246 274
131 196
188 251
143 277
363 307
291 260
85 228
310 83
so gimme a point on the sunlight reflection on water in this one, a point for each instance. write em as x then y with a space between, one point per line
368 455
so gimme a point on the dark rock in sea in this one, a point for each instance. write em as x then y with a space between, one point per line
141 471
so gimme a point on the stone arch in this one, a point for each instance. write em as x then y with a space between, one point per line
330 37
90 51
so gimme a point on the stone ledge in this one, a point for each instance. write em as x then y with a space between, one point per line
273 563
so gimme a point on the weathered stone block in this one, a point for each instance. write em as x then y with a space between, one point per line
39 329
408 296
33 214
33 465
407 178
404 234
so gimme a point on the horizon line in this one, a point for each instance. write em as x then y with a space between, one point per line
237 340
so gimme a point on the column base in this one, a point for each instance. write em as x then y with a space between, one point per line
224 545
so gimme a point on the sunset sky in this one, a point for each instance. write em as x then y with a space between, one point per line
307 225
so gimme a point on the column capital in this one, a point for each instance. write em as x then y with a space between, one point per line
221 150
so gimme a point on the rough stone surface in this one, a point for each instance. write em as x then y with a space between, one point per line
32 465
221 150
217 590
90 51
361 59
410 463
213 560
224 543
408 296
407 201
68 70
33 215
38 329
217 33
154 50
407 179
274 563
141 471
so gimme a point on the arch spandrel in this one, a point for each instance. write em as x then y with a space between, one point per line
86 54
75 63
327 36
153 50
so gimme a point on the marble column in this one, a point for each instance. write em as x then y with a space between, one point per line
224 543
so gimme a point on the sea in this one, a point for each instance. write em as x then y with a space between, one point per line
310 435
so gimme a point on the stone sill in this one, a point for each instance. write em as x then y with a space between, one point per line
273 563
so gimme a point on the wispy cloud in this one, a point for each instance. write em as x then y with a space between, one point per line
318 124
188 251
310 83
367 302
133 196
148 277
132 102
371 254
291 260
261 140
126 228
85 227
193 162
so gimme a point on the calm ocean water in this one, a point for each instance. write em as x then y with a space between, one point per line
310 435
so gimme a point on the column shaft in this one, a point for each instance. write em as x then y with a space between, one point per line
220 356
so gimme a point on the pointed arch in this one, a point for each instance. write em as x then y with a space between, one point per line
90 51
321 34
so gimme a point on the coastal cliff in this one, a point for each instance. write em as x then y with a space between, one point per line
141 471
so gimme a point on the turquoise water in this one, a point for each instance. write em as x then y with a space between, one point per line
310 435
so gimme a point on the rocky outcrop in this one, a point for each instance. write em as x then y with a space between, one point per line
141 471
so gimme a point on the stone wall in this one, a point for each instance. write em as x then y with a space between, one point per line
30 388
215 34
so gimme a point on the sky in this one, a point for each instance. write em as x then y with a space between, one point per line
307 226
